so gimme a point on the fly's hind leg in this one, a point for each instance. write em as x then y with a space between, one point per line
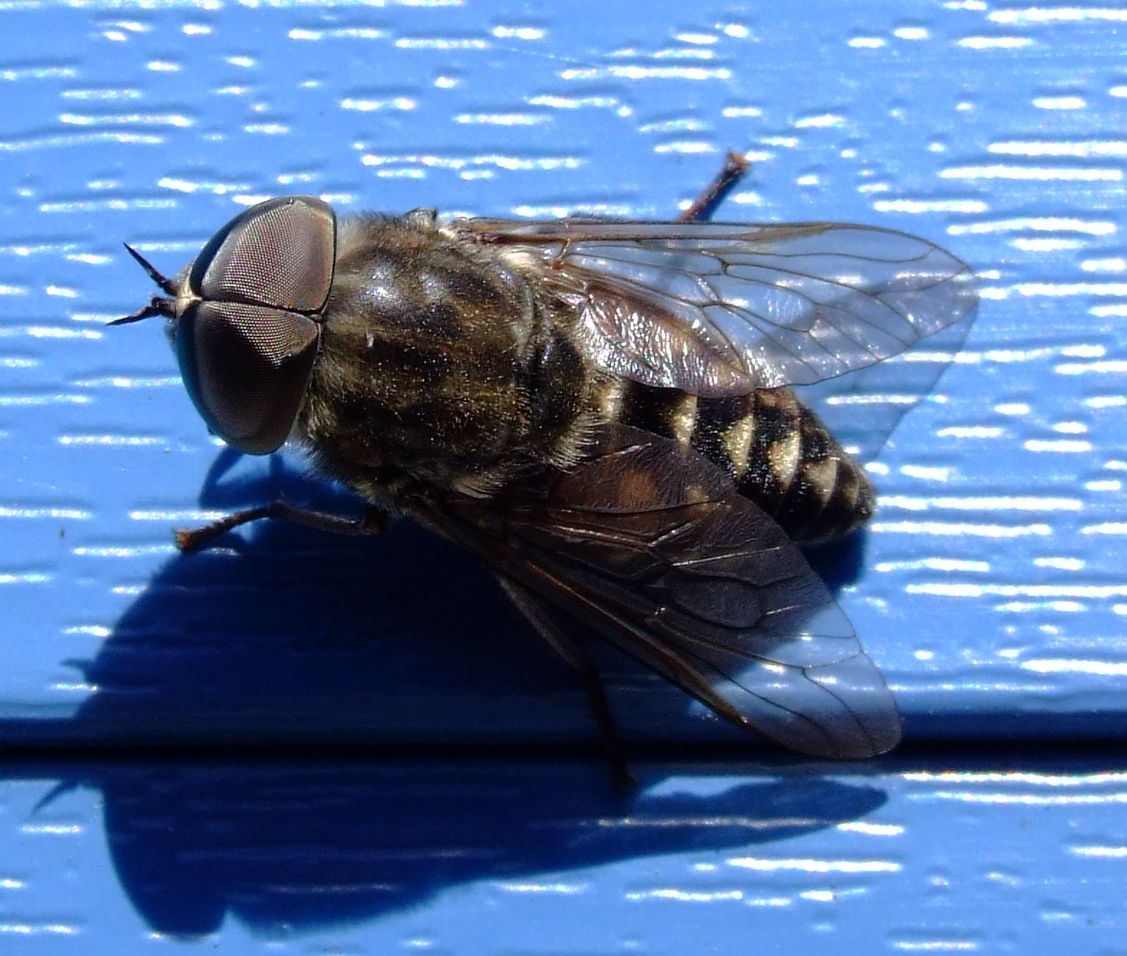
539 617
735 165
372 521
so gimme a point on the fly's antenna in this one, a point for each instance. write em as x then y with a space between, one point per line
162 281
159 305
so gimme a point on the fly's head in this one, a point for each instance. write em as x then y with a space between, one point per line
245 318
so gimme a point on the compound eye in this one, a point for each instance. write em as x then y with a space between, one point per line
279 254
246 368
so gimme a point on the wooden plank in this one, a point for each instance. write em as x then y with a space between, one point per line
990 587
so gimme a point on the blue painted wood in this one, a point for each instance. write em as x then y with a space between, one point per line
478 856
990 588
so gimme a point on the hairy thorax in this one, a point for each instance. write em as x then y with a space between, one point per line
440 365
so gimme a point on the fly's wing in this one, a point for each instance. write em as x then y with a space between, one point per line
650 544
862 410
719 310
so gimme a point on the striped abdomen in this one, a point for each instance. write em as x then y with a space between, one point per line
777 451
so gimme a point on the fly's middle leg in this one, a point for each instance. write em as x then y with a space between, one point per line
540 618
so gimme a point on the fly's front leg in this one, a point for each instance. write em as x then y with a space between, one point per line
735 165
372 521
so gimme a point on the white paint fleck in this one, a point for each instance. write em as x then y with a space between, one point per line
821 121
1046 245
1108 367
1104 485
113 441
1075 149
500 119
1073 666
371 104
946 565
927 473
813 865
970 431
519 33
685 896
1091 592
1088 227
88 630
1028 16
1057 445
1089 174
968 206
1101 852
995 42
871 829
647 72
696 39
1110 264
1106 527
119 551
1061 563
964 529
1059 102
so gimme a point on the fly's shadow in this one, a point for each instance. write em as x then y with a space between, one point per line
291 639
290 848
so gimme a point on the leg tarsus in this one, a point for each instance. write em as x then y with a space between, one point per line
733 170
372 521
533 609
